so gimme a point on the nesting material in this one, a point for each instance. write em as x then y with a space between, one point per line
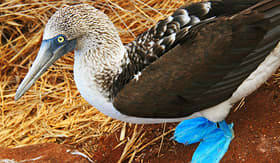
53 110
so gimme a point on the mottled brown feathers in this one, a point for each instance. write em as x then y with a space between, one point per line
152 44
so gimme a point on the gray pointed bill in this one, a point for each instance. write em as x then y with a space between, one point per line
49 52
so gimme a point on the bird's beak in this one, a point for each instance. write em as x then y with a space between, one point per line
46 56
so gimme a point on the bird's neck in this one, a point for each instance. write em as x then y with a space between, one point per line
98 63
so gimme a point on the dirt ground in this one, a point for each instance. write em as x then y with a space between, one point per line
257 135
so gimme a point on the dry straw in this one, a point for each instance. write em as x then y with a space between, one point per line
53 110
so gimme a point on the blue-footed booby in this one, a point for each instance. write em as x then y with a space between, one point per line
192 66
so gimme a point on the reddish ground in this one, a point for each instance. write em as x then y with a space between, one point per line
257 136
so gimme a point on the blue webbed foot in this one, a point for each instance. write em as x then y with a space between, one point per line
214 140
193 130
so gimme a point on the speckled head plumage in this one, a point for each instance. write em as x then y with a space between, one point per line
75 21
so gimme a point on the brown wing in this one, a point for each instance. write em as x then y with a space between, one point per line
204 69
167 33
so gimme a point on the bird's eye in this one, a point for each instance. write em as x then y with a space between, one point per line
60 39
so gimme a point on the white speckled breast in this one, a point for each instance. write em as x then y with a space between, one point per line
84 79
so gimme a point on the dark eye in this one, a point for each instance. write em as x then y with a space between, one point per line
60 39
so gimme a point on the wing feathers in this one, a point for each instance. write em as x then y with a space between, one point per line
203 68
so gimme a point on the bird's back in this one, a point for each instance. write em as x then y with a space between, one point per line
199 65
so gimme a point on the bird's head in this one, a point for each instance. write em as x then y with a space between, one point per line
63 33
